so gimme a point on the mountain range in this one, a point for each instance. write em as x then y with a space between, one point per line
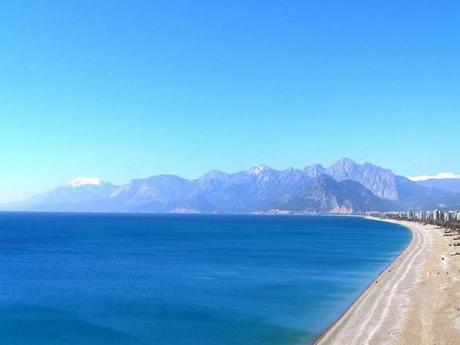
344 187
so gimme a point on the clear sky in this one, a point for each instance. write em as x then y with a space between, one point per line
124 89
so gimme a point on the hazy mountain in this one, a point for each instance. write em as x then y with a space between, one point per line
257 189
343 187
416 196
448 184
158 193
382 182
386 185
315 170
85 197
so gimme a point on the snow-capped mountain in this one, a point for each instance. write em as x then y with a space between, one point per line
449 182
86 181
440 176
346 186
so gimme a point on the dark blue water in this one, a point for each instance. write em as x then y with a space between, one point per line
179 280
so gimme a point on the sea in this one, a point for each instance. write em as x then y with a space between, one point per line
184 279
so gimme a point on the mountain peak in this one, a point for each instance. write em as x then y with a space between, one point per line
378 180
345 161
342 169
213 175
258 169
344 186
314 170
85 181
215 172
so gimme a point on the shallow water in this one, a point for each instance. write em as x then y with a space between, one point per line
170 280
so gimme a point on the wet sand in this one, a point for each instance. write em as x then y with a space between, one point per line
415 301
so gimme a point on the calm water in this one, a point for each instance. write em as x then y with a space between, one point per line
179 280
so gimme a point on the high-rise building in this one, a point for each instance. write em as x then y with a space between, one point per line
436 215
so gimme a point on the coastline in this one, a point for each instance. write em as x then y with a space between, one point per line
405 304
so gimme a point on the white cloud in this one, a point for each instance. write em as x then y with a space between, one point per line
84 181
444 175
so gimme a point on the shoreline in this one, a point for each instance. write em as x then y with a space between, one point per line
389 311
319 338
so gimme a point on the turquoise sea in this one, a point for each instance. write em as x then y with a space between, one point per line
184 280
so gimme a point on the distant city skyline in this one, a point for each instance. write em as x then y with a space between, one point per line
133 89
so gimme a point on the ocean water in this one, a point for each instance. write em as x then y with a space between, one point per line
183 280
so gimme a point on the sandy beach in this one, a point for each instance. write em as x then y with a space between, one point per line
415 301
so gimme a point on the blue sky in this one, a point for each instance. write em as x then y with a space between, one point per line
124 89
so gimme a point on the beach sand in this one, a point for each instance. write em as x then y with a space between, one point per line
415 301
